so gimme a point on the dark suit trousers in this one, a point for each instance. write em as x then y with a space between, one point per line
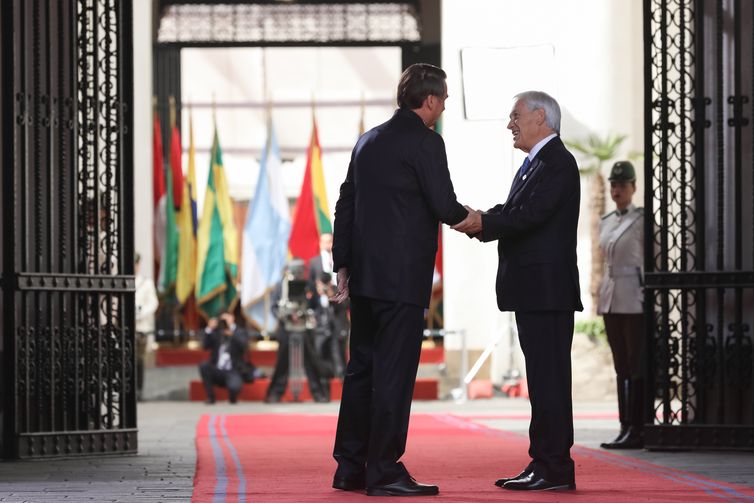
546 342
377 390
213 376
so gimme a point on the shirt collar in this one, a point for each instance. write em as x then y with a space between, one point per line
628 209
535 150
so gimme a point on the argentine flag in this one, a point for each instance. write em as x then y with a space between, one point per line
265 237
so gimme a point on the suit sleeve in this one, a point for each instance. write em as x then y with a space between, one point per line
431 165
496 210
542 202
208 340
343 225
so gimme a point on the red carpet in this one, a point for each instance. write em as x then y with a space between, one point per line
288 458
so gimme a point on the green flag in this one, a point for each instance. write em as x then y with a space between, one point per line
169 262
217 243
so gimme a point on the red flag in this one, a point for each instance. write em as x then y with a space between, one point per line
158 182
158 192
304 240
176 166
437 279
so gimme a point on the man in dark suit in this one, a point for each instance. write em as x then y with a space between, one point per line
538 278
226 365
322 263
319 266
397 190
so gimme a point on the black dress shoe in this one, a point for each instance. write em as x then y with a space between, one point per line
500 482
613 442
345 484
403 487
534 482
633 438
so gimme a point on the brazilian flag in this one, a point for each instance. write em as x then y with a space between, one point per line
217 243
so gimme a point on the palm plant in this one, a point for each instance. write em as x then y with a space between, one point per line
597 151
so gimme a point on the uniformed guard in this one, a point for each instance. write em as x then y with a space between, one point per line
621 302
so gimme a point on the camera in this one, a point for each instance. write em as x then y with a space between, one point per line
293 310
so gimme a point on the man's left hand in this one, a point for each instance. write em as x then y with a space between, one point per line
343 293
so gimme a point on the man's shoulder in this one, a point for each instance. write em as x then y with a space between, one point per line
431 138
555 151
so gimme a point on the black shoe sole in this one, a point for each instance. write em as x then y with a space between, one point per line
387 492
621 446
561 487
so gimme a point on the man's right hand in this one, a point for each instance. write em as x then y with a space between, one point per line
343 293
472 224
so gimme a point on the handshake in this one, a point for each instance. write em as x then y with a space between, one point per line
471 225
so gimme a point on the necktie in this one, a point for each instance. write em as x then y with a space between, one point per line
524 166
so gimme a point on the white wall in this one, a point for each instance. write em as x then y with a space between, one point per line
142 134
598 83
284 75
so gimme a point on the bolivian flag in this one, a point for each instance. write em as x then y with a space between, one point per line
217 243
312 211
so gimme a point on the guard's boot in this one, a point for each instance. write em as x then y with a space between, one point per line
634 437
623 386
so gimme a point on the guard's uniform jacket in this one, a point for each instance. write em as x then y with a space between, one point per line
622 244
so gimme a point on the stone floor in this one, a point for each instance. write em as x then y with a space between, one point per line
164 468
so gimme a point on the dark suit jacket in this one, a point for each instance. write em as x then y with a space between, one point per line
396 193
237 347
536 229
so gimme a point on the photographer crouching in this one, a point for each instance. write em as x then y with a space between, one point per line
226 366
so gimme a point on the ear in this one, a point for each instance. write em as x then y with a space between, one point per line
430 102
540 116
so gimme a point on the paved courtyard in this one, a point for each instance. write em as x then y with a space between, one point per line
164 468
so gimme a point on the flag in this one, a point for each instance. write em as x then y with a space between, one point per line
169 259
158 189
321 208
216 241
361 118
184 285
176 166
265 236
312 212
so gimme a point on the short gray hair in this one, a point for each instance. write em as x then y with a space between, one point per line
538 100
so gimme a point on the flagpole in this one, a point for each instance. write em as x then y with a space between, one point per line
171 101
266 315
314 109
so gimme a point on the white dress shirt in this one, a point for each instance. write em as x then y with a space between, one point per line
536 148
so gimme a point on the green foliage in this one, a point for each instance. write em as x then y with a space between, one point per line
597 150
594 328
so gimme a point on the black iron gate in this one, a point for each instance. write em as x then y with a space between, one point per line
699 81
67 342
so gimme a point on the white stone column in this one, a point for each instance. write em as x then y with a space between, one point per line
142 133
